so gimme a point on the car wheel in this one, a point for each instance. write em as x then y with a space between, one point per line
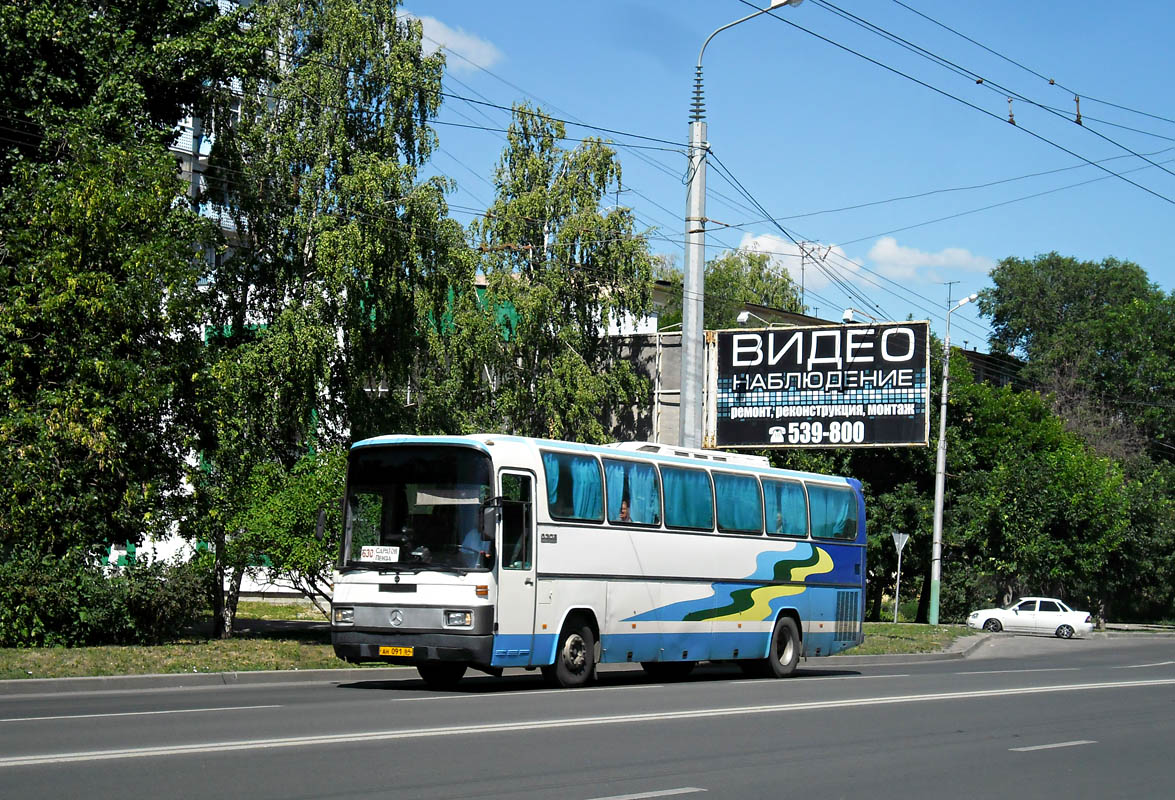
993 625
1064 632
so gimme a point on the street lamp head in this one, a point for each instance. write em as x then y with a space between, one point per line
743 317
971 298
778 3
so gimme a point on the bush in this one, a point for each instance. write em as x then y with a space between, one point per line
162 599
73 602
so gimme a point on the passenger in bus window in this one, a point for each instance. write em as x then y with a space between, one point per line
624 511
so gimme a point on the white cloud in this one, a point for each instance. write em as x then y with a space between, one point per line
466 52
895 261
803 270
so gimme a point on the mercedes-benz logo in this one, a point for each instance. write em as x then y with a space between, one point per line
397 617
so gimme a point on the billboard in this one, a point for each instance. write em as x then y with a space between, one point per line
828 386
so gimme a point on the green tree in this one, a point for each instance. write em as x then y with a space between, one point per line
98 272
1100 338
733 280
558 269
341 266
1034 509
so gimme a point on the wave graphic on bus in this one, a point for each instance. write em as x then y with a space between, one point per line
734 601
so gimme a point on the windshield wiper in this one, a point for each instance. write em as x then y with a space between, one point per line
446 568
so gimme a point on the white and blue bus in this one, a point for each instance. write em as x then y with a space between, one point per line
494 551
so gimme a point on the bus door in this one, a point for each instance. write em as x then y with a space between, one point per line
514 639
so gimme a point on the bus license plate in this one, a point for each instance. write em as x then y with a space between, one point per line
395 651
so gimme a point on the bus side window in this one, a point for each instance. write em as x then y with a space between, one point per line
786 508
834 512
517 530
740 507
575 488
689 500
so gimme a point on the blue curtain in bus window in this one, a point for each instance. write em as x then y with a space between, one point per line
834 512
637 483
614 480
688 503
551 468
645 503
787 508
587 494
739 507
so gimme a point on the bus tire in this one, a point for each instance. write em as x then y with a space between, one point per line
668 670
784 653
575 658
441 676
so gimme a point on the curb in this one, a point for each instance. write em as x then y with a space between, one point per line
116 683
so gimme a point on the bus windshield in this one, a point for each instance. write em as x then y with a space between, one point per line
412 507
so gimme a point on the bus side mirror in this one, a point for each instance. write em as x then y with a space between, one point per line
485 527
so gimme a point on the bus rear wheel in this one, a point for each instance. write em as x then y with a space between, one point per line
784 653
575 660
441 676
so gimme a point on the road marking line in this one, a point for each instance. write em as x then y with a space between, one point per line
1052 746
135 713
807 679
366 737
553 690
1141 666
662 793
1008 671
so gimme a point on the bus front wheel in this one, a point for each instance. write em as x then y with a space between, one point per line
575 660
784 653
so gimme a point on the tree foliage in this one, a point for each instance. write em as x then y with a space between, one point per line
341 255
559 269
733 280
1100 338
97 265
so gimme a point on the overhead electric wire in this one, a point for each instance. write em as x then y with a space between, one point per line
981 80
849 290
960 100
1050 81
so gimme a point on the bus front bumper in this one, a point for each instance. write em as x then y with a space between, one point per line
412 648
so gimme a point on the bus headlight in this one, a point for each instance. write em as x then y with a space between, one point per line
458 619
343 615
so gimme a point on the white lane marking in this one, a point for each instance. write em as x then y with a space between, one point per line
136 713
661 793
1077 743
1009 671
466 696
364 737
807 679
1141 666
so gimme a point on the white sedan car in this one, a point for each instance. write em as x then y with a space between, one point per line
1033 615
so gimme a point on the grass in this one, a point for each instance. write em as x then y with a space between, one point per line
302 648
888 638
249 649
295 610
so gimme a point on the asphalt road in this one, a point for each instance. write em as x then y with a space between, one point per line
1020 717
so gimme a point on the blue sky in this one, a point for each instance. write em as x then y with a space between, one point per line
810 129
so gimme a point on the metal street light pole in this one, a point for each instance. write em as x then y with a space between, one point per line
940 470
693 284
